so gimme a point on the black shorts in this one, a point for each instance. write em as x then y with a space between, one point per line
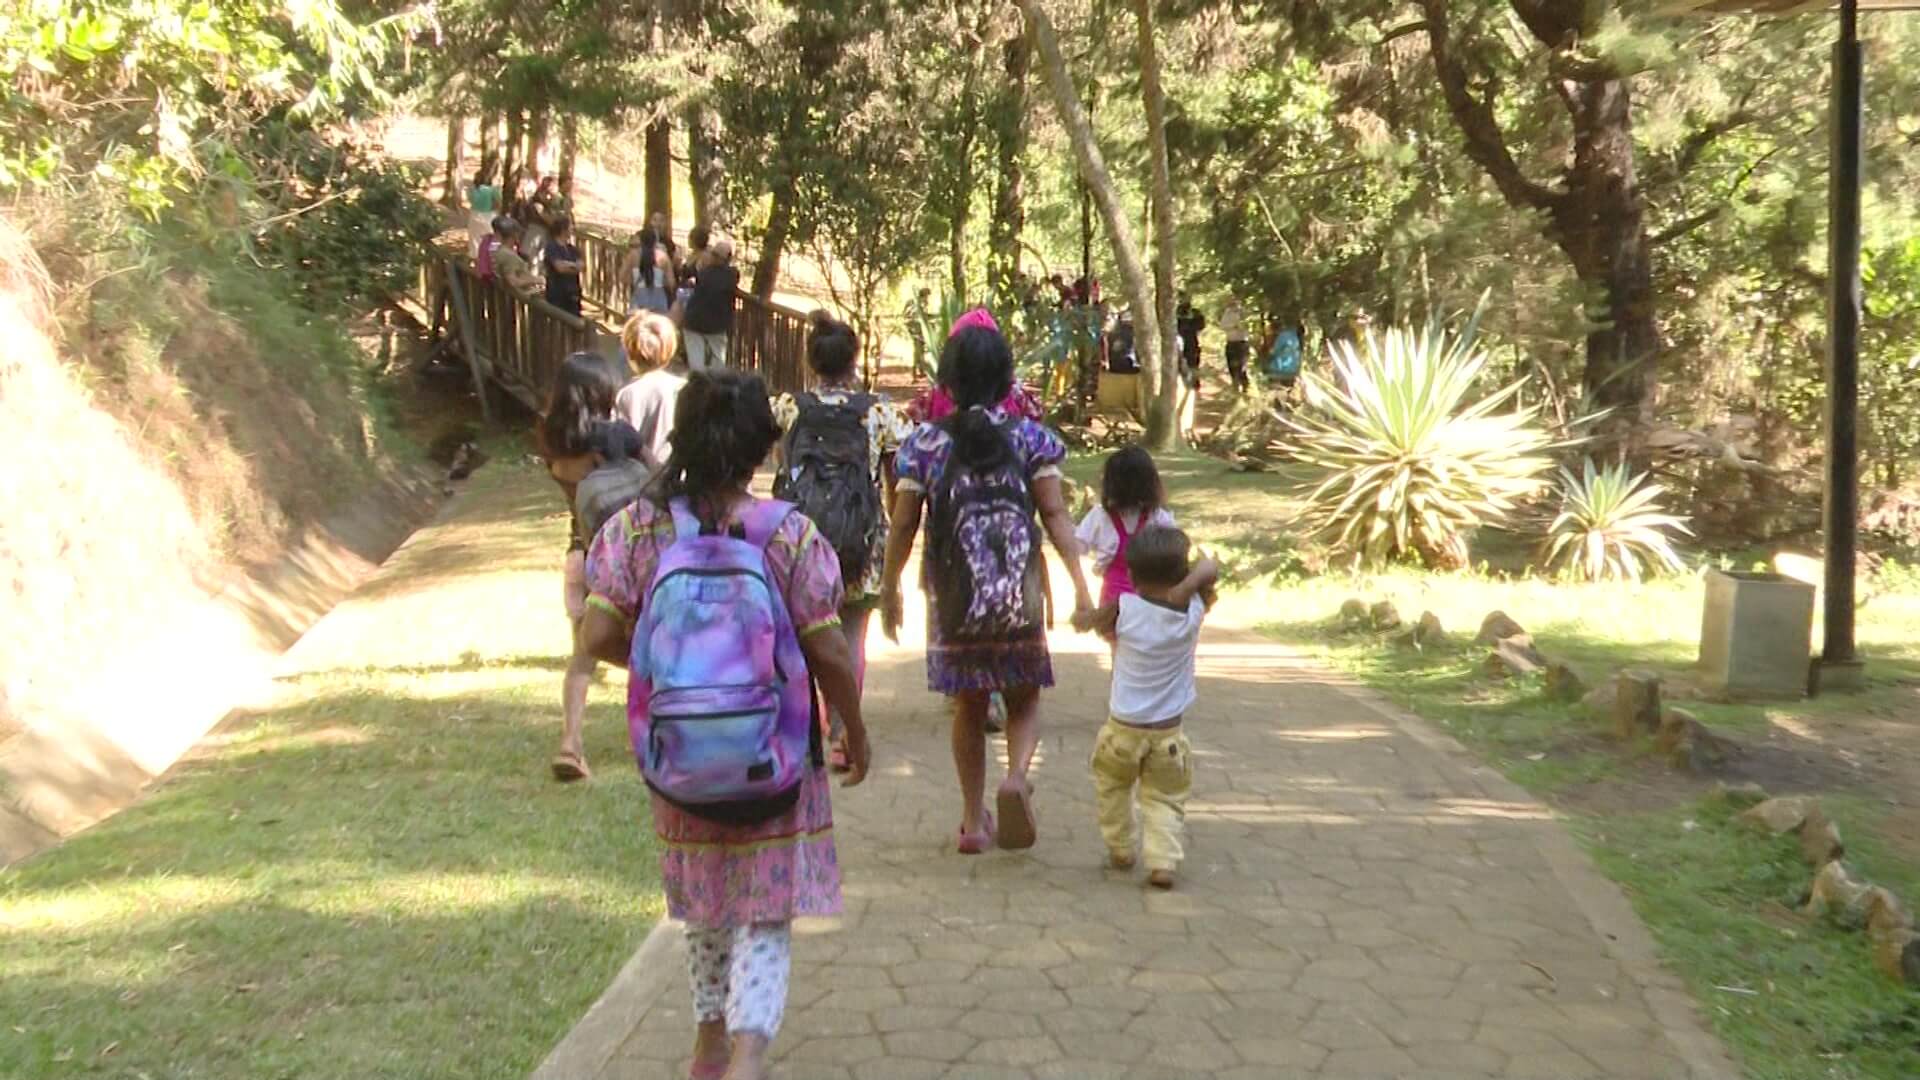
1237 354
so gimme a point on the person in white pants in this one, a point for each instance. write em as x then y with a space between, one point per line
708 321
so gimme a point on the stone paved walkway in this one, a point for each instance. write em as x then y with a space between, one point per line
1361 901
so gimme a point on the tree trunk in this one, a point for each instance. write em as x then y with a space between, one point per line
957 238
766 274
489 146
1163 422
1601 225
659 168
709 171
569 143
456 159
516 127
536 140
1009 203
1597 216
1093 170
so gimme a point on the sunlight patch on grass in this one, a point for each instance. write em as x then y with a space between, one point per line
373 877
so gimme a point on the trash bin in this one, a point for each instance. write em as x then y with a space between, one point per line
1756 635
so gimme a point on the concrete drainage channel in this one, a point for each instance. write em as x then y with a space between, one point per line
61 774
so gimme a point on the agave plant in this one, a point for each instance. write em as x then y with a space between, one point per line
1410 457
1611 525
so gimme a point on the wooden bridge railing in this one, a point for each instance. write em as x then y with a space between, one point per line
513 341
767 337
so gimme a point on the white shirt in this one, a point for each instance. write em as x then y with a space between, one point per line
1101 540
647 403
1153 661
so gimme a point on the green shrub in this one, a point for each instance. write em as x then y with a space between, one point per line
1611 525
1410 457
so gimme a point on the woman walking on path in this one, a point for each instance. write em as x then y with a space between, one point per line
984 476
578 433
737 886
648 272
839 448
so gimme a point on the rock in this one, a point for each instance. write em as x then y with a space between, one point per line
1742 795
1497 627
1820 838
1690 744
1779 816
1885 913
1598 701
1428 633
1522 643
1384 616
1353 614
1838 896
1563 683
1636 704
1508 661
1897 954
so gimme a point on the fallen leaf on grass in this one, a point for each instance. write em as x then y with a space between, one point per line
110 1048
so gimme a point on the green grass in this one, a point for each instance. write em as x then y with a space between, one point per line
1718 898
374 877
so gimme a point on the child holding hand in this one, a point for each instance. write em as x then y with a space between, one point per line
1143 747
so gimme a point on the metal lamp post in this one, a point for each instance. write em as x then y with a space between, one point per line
1838 666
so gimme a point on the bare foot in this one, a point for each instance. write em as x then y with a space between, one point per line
710 1050
1119 860
749 1057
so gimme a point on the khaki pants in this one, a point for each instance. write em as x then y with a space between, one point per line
1158 762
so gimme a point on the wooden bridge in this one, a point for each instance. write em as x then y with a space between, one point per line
516 343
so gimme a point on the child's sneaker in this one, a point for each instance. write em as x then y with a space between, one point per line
1161 879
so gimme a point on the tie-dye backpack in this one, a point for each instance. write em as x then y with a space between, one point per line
719 708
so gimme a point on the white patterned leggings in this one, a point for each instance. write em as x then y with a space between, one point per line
739 974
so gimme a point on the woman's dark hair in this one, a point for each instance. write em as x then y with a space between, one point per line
648 241
1157 556
723 430
582 395
698 236
832 346
976 367
562 225
1131 481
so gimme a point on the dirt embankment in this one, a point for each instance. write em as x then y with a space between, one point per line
190 474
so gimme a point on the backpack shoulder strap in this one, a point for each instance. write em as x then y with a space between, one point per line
686 524
764 520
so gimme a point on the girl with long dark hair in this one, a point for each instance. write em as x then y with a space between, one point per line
986 476
577 432
648 272
737 886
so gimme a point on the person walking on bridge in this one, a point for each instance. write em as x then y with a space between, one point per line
648 272
709 314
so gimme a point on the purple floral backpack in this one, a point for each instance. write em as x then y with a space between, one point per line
719 706
983 541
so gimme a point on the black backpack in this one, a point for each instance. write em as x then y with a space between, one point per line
983 539
829 476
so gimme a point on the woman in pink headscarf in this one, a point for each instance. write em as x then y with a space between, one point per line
935 403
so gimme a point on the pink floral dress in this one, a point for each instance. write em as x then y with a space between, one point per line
734 875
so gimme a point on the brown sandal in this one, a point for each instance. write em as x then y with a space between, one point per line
569 766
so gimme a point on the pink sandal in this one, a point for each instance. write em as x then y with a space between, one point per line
1015 803
977 843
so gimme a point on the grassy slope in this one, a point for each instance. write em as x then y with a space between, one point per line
374 878
1717 898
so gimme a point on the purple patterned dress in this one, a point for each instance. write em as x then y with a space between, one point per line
732 875
1018 661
